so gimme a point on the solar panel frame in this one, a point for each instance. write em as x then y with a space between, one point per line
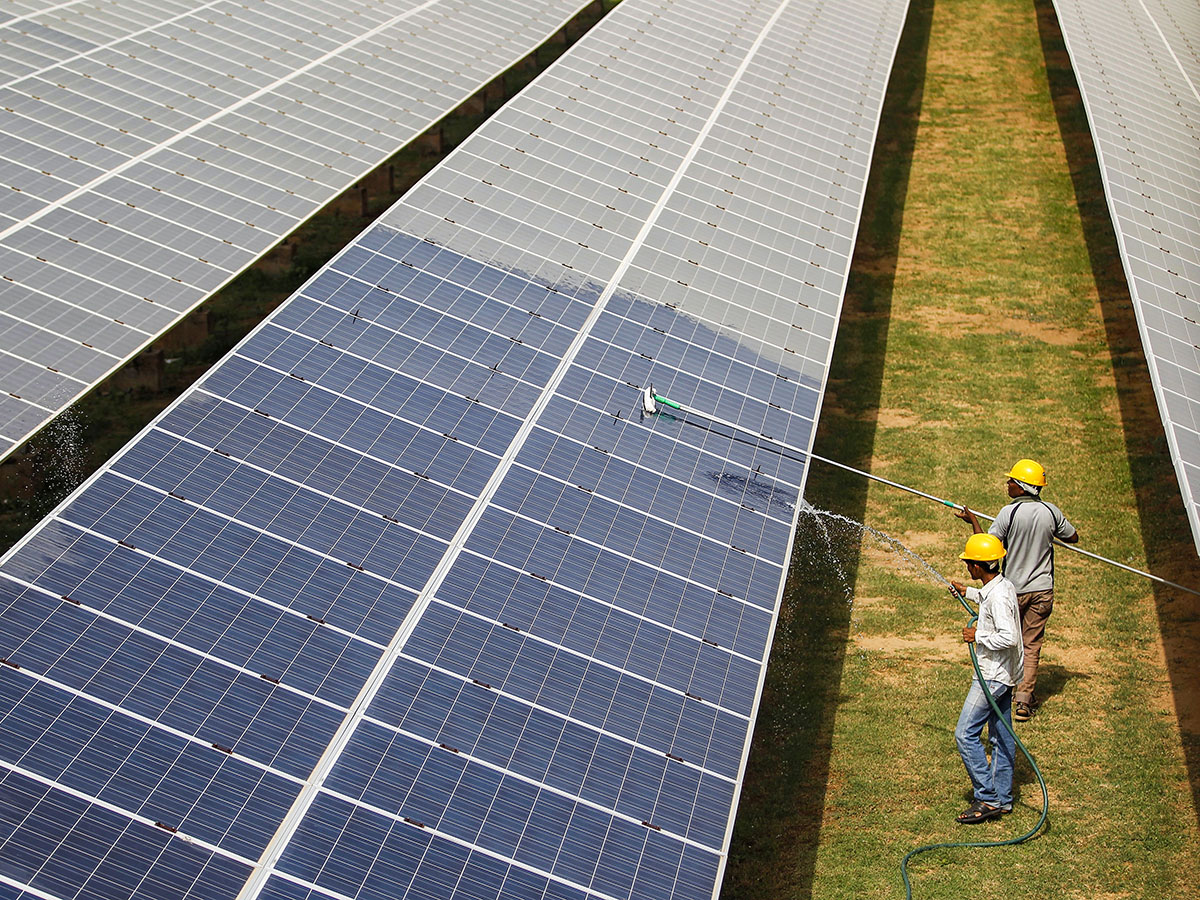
619 594
1137 67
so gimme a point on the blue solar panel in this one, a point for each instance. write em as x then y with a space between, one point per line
409 597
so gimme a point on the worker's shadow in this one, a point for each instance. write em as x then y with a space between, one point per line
1027 794
774 846
1051 680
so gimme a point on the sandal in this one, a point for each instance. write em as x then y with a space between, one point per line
978 812
1022 712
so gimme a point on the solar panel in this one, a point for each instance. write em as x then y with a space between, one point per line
409 597
150 152
1138 68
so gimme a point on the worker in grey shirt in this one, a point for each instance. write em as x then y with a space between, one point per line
1028 527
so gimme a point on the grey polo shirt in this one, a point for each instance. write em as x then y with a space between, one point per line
1027 527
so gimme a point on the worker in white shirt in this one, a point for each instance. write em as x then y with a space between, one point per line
1028 527
997 638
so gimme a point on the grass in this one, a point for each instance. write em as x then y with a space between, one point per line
986 320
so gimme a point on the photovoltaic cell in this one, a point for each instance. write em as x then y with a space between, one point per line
1138 69
151 152
409 597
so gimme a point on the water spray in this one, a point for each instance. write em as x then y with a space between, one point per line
650 404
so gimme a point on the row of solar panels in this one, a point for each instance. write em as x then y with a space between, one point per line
1138 69
152 151
408 597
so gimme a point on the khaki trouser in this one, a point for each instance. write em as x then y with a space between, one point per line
1036 607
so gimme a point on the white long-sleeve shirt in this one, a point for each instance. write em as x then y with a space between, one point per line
998 643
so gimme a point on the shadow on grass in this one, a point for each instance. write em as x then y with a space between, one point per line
1165 533
773 851
1052 680
1026 792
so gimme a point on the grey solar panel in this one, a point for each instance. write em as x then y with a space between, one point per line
1138 69
408 597
152 151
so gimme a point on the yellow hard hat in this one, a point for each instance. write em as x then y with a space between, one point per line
983 548
1028 471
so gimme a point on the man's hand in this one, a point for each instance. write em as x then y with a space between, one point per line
969 517
969 635
958 588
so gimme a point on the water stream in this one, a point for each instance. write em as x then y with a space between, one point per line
827 552
844 529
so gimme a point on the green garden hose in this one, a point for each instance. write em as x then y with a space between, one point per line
1032 832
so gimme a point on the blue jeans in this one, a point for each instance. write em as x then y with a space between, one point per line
992 782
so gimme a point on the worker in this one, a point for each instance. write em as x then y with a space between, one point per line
997 638
1028 526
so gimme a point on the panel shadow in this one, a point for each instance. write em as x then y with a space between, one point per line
775 839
